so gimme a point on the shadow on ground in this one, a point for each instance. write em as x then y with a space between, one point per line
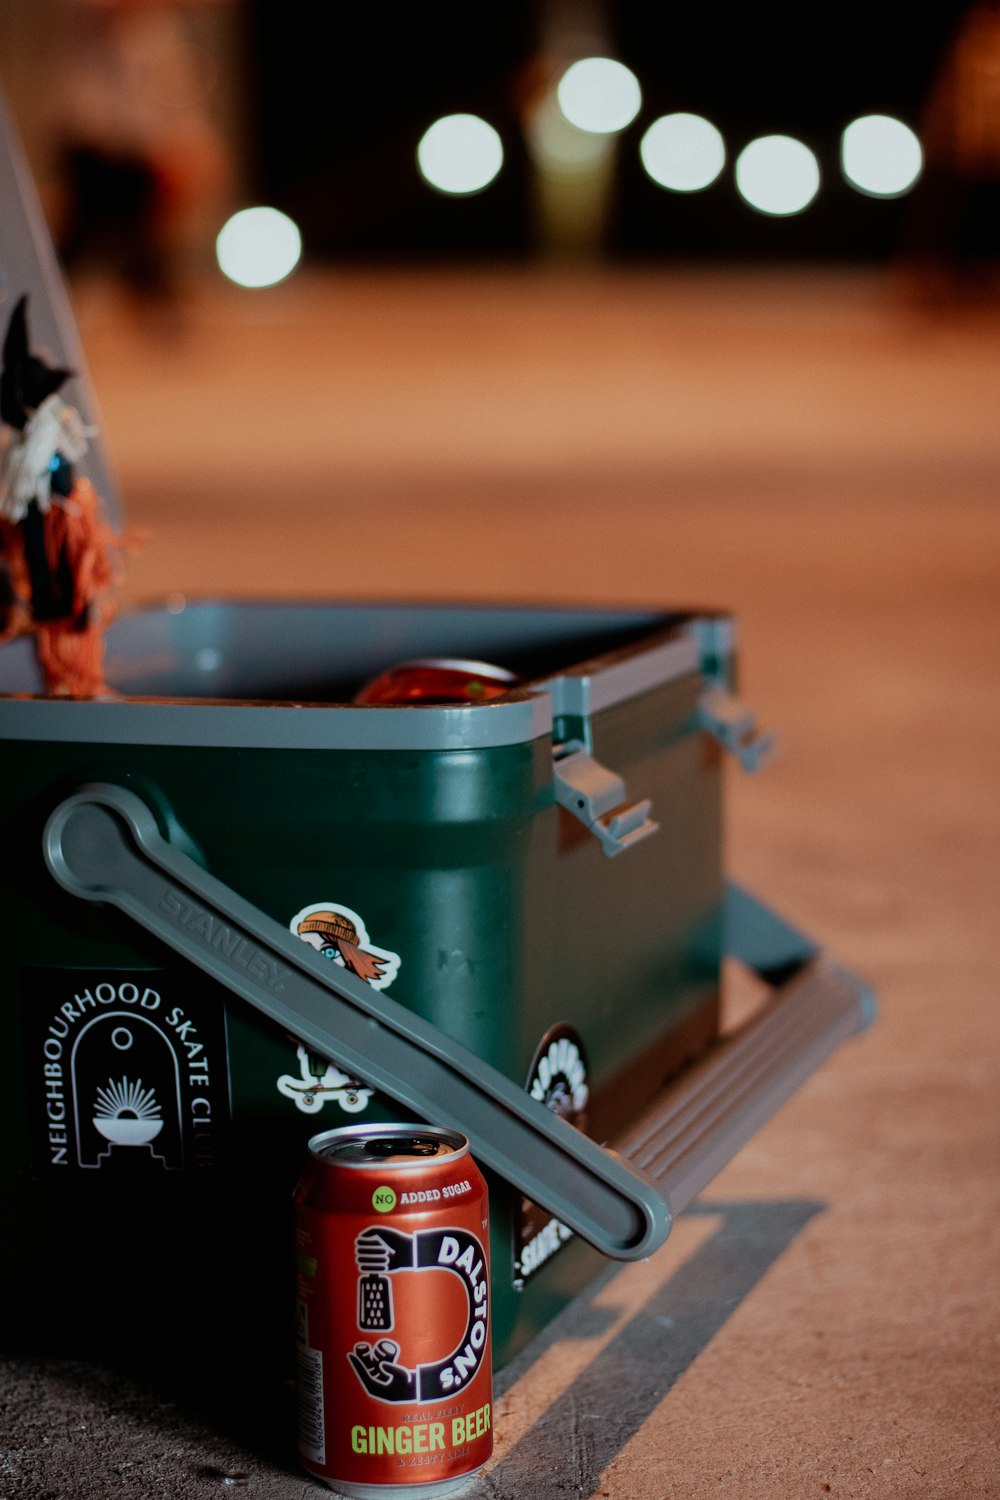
159 1398
585 1429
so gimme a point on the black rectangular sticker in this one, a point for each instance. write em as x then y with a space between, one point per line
126 1070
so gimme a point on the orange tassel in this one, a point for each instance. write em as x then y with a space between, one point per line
70 650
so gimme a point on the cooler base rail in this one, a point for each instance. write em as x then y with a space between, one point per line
705 1116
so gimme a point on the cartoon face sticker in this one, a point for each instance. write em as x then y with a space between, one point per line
340 936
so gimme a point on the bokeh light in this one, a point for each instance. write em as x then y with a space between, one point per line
460 155
258 247
777 175
683 152
880 156
599 95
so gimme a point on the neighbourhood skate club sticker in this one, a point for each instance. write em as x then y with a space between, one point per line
125 1070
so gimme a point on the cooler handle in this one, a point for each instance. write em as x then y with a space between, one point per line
103 844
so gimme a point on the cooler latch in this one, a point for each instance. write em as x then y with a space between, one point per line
597 797
734 727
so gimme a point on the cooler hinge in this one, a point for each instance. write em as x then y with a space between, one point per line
734 727
597 797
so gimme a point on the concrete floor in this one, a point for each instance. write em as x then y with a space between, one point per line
806 452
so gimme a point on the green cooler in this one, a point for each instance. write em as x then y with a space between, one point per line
242 909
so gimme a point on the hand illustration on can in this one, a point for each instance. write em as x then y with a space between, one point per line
377 1251
379 1372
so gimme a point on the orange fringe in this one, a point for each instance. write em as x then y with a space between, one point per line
71 650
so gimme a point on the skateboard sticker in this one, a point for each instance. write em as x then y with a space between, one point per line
340 935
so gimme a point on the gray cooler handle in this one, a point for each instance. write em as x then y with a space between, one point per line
103 844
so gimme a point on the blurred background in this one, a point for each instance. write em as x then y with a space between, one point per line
484 263
189 108
658 145
644 305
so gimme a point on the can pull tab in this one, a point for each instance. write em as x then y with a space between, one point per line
410 1145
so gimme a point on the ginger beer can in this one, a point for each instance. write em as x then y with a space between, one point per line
393 1311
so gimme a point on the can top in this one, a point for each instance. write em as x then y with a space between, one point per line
379 1146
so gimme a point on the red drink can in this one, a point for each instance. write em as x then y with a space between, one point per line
438 679
393 1317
